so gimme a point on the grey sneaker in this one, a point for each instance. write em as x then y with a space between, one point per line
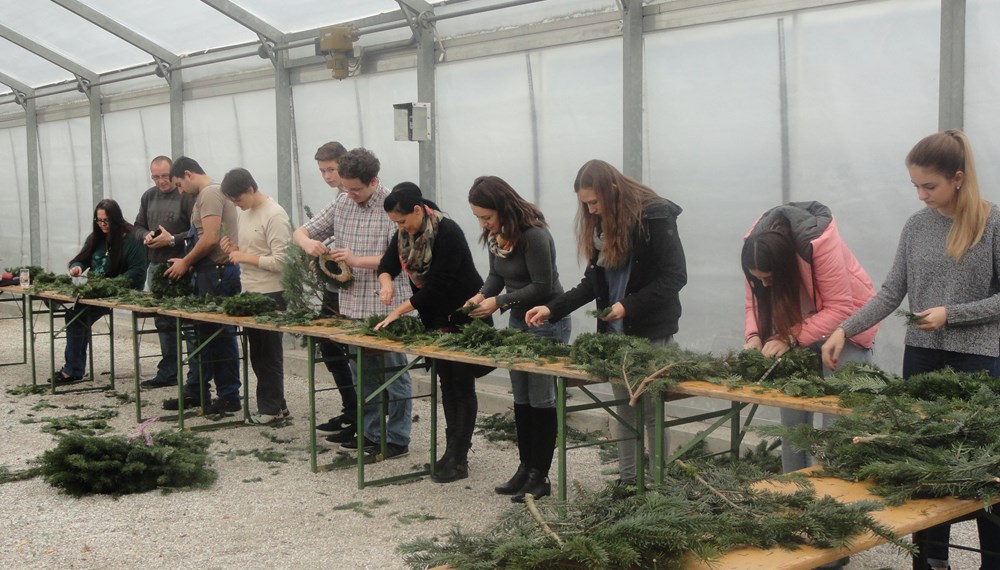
392 451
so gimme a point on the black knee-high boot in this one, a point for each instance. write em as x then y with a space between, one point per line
523 422
461 391
543 442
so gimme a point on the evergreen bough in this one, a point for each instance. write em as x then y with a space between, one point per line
162 286
83 465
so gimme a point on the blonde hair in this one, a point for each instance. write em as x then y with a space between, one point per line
948 153
622 200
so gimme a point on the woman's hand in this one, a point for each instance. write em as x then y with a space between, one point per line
75 271
475 299
775 347
227 245
386 291
393 316
753 342
832 347
617 313
536 316
932 319
486 308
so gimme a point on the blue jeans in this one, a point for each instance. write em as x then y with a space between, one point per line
918 360
166 369
537 390
399 393
220 360
794 459
78 338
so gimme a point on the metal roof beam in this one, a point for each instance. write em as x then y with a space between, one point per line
98 19
246 19
21 90
46 53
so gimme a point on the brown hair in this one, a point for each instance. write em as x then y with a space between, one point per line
949 153
516 214
777 307
622 200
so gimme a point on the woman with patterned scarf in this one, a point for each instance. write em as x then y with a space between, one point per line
432 250
636 270
522 259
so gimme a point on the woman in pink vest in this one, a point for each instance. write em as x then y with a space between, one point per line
802 281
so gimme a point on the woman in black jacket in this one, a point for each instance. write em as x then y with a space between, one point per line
432 250
636 269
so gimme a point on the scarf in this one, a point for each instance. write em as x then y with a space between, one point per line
499 246
415 251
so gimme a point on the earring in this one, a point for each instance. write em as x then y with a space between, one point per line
957 188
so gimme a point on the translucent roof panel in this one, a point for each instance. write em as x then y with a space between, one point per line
531 13
27 67
71 36
180 26
298 15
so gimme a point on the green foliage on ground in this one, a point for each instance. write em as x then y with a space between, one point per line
85 465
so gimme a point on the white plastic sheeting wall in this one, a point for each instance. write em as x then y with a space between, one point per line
14 244
355 112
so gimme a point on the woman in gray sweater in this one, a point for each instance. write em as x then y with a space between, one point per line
946 264
522 260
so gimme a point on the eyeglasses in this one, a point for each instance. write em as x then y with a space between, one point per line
102 221
160 177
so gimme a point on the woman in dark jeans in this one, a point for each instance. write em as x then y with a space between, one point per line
432 250
946 265
109 251
522 260
636 270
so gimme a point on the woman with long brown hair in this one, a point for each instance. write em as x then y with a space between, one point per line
110 250
801 281
635 269
522 261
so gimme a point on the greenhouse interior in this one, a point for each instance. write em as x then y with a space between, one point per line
727 108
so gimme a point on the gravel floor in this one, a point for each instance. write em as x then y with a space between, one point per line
258 514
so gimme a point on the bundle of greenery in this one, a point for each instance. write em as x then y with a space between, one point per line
161 286
83 465
247 304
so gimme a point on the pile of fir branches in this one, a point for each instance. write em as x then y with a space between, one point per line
640 365
798 372
407 330
83 465
479 338
932 435
162 286
703 512
248 304
104 287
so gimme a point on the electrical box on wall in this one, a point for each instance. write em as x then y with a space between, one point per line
412 121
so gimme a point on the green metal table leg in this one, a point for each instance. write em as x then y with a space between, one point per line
659 405
111 342
180 374
135 367
561 434
359 387
640 447
434 417
311 377
31 328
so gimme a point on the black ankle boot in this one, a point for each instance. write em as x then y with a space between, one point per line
537 485
515 483
450 470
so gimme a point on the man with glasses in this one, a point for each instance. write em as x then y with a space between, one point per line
163 220
363 232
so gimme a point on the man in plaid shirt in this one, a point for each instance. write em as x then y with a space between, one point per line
363 231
